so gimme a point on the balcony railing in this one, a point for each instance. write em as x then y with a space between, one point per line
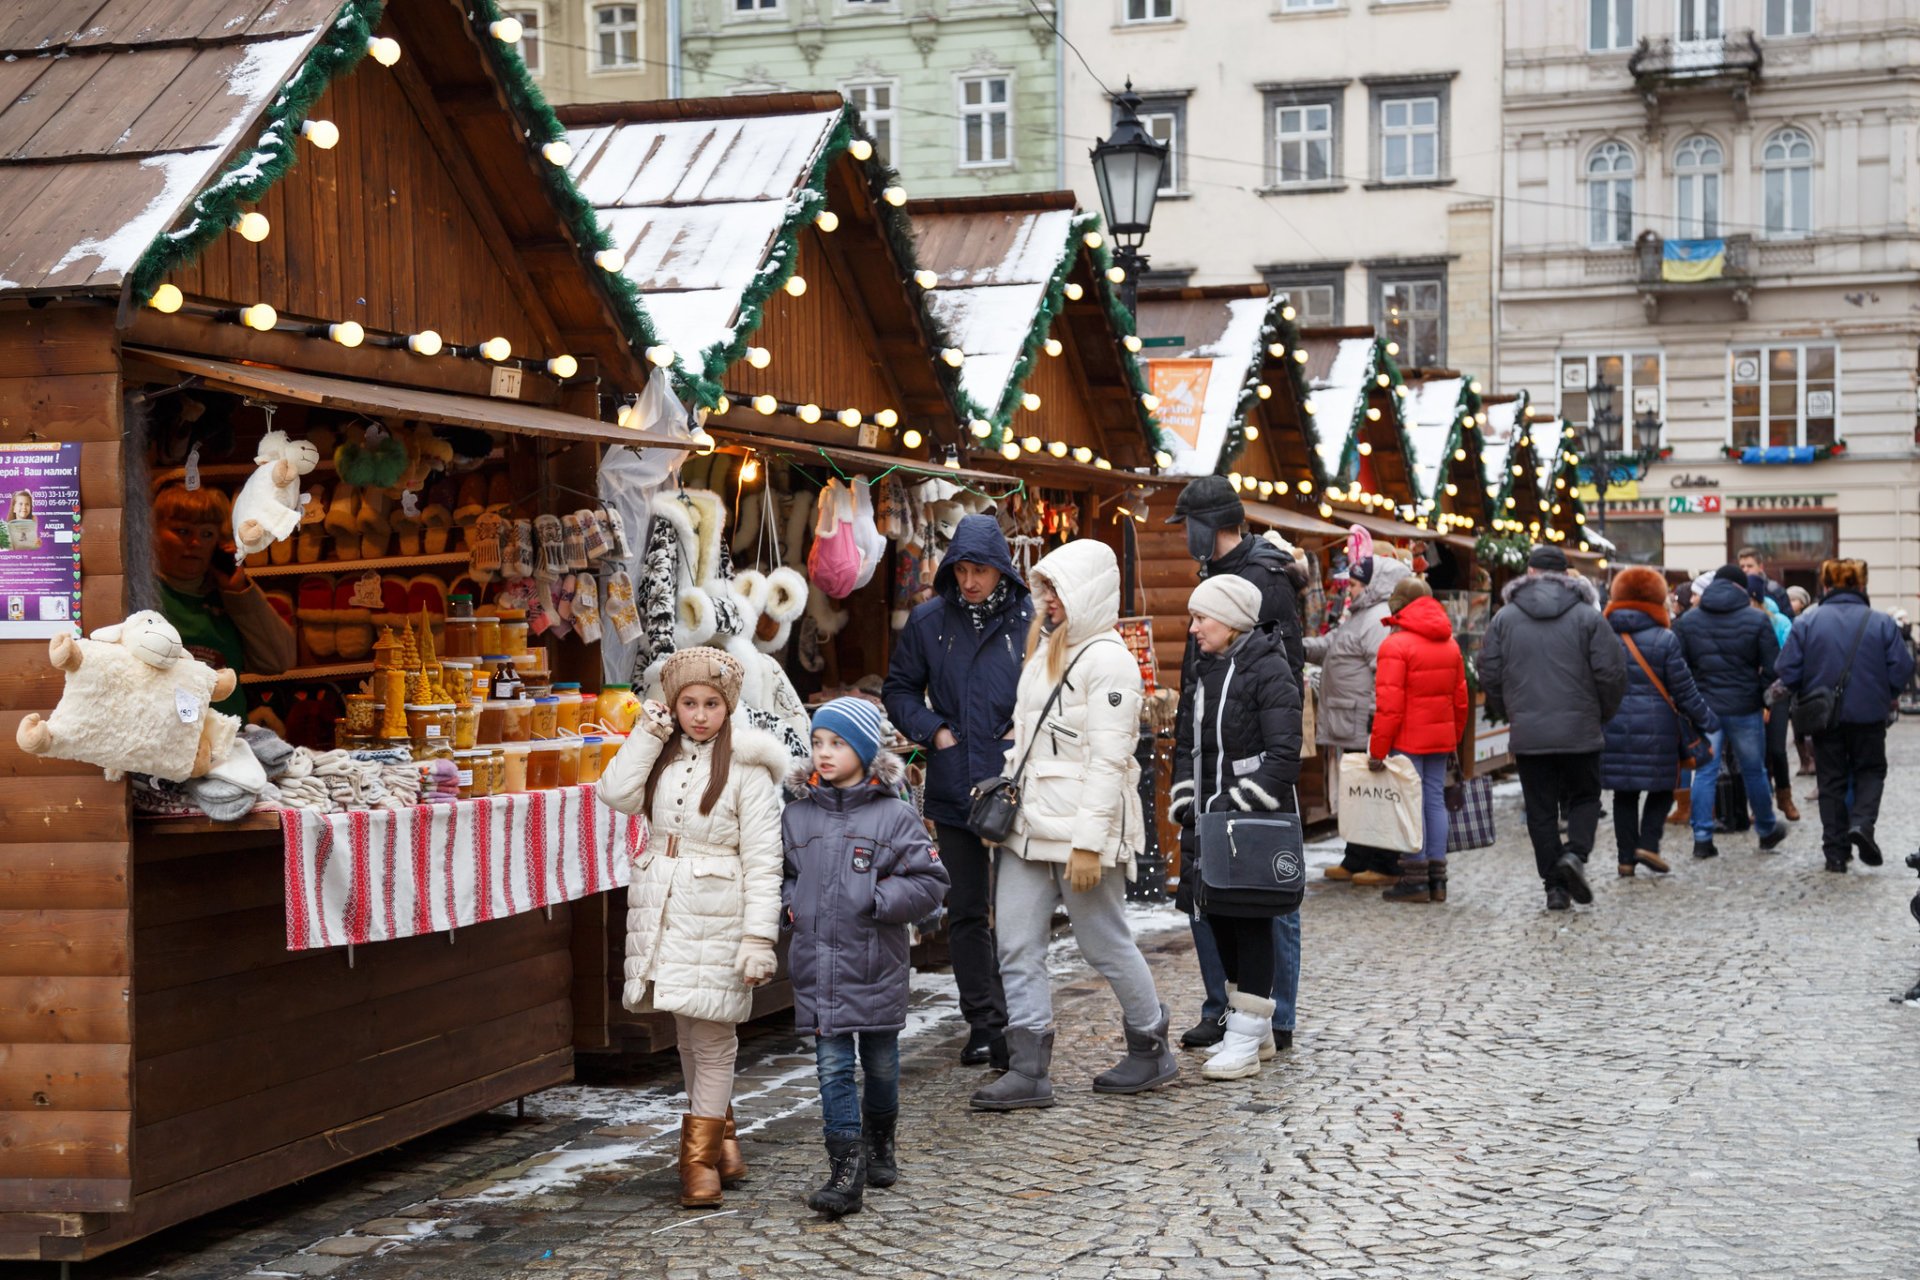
1667 64
1721 267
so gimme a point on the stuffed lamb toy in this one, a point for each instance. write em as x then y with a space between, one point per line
134 702
267 509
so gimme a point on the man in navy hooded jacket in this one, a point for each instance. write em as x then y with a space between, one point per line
950 688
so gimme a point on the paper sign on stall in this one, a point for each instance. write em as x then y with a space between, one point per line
1181 386
40 540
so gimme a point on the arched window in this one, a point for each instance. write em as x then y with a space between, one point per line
1610 195
1696 188
1786 168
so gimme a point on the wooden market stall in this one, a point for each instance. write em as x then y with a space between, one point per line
231 219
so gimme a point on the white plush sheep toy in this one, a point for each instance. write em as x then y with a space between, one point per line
268 507
134 702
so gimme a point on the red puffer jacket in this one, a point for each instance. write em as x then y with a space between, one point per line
1420 691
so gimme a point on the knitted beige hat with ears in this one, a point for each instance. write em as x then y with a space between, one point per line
703 665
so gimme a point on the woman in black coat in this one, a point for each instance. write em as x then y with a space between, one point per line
1642 753
1238 752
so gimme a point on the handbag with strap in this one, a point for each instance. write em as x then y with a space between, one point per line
995 802
1817 711
1696 749
1254 858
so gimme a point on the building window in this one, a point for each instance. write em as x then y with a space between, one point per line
750 7
1411 310
1702 19
1150 11
1696 189
875 104
1786 165
1795 545
1314 294
616 36
1308 6
986 121
1785 395
1303 134
1789 17
530 24
1165 120
1637 540
1409 139
1634 377
1610 195
1609 24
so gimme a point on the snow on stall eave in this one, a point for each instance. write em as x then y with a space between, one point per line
1337 399
990 324
1233 356
185 173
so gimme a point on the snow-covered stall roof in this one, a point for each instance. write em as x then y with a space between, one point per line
1433 408
1229 334
696 206
114 116
1337 372
1504 422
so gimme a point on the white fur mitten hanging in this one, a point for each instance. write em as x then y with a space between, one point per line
267 509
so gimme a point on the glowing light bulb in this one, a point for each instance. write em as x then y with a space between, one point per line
1325 511
1058 448
259 316
563 366
1162 459
849 418
1149 402
765 405
808 413
860 149
1366 449
1453 491
953 357
1511 503
1053 347
910 438
557 152
347 333
926 279
660 356
1276 349
952 461
895 196
1083 454
1101 464
1459 455
1132 343
1373 413
252 226
1010 451
1519 471
1393 348
1073 291
609 260
1280 487
1287 313
827 220
1299 356
1474 386
424 343
1579 517
722 406
887 418
1030 402
1306 486
759 357
1116 275
703 443
625 416
324 134
505 30
1253 433
1235 479
1031 444
1093 239
1266 488
384 50
980 428
167 299
750 470
496 349
795 286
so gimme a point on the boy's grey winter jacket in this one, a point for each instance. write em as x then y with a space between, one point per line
1551 665
859 870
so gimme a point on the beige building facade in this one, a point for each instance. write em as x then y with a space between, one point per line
1346 151
1713 206
587 51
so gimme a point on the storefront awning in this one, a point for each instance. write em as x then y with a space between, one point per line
443 407
1293 523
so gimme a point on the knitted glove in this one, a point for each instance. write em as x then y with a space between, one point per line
1083 870
755 963
658 720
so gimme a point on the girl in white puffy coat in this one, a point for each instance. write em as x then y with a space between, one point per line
703 904
1076 723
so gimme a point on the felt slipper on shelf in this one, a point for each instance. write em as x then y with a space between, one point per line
343 514
309 542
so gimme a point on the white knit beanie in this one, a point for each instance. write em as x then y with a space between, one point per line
1228 598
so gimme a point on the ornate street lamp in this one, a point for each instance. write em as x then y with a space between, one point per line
1128 166
1607 463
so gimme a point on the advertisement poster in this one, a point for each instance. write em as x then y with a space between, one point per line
1181 386
40 540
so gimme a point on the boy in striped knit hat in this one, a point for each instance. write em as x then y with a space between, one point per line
859 870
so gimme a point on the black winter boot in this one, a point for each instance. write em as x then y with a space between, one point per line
979 1047
1207 1031
1413 885
1149 1062
883 1169
845 1188
1437 880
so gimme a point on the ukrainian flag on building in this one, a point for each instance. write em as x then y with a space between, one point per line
1690 261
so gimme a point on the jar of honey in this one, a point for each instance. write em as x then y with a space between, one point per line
460 638
359 718
610 744
430 726
481 761
515 754
546 713
496 770
513 636
568 692
543 765
516 724
617 708
463 767
466 726
590 763
569 761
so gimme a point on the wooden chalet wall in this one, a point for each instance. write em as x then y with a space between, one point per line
66 1102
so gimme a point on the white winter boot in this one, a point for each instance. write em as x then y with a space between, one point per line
1248 1042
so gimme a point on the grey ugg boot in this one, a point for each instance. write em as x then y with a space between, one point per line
1025 1084
1149 1061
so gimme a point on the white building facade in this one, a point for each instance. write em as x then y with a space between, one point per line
1713 206
1346 151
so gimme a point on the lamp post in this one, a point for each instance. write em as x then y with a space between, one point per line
1127 166
1607 462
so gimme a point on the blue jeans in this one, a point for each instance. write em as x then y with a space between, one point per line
1433 805
840 1102
1746 737
1286 969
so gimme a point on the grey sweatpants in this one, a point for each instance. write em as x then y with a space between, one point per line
1023 914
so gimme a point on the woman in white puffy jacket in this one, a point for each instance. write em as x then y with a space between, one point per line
1076 722
703 904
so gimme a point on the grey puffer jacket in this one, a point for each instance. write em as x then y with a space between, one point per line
1347 655
859 870
1551 665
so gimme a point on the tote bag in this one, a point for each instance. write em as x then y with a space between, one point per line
1471 825
1380 809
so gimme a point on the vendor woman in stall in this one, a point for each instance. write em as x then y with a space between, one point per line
223 619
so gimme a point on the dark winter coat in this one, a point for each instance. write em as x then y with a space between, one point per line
1242 743
946 675
1731 648
1549 663
1420 687
859 870
1270 569
1643 738
1817 648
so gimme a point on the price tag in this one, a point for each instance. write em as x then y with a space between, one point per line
366 592
186 706
193 468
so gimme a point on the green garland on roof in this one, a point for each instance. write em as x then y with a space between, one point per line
1501 491
1123 325
1052 300
1463 431
1502 551
1379 362
1274 327
247 179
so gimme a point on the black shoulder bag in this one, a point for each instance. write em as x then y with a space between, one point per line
1817 711
995 801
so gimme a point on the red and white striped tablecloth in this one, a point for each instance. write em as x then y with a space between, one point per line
371 875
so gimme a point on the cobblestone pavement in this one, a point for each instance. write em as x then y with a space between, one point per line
1698 1076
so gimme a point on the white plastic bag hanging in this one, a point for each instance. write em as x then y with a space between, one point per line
1381 808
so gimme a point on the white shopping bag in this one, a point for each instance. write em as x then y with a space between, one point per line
1380 809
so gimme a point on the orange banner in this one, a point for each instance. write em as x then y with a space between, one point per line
1181 386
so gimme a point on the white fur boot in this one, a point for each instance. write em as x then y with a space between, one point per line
1248 1042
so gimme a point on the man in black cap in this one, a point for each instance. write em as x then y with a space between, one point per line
1553 668
1217 537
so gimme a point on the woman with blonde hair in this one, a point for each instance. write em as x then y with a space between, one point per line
1079 826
